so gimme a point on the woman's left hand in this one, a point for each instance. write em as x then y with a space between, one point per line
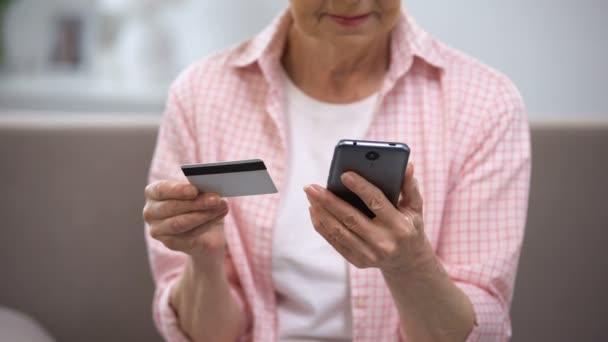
394 241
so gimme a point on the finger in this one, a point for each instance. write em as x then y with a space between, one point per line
186 241
351 218
373 197
348 244
411 197
157 210
167 190
196 231
186 222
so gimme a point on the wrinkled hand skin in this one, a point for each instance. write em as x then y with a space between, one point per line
394 241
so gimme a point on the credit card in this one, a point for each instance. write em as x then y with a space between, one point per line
231 179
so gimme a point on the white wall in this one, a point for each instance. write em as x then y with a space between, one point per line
555 50
204 26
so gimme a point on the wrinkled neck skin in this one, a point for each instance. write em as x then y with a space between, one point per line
336 71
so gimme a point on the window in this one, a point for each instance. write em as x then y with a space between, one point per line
113 55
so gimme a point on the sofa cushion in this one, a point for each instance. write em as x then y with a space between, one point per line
17 327
73 252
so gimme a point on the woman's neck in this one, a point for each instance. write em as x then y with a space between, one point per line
335 73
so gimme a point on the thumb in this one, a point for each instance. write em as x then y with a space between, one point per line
411 198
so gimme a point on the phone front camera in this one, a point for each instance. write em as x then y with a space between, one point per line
372 155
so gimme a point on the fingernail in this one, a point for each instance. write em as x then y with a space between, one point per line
317 189
190 191
212 201
313 190
347 177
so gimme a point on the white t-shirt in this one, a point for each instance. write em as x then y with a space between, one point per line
310 277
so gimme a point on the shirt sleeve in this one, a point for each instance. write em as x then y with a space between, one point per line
485 215
175 146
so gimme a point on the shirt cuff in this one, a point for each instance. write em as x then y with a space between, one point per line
475 334
491 318
168 321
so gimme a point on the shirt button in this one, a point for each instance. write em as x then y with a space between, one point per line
360 302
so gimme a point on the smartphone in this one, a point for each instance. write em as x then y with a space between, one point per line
381 163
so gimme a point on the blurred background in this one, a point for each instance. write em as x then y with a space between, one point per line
82 88
120 55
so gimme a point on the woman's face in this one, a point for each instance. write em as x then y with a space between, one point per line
345 20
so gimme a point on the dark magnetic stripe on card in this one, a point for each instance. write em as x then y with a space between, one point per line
215 169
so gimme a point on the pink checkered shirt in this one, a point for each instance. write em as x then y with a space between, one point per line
465 123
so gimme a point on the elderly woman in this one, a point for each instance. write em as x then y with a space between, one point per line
303 265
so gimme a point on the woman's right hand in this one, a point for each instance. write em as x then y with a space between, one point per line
185 220
189 222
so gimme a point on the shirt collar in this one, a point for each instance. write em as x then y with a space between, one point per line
408 40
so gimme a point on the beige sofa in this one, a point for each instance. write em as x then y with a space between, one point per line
72 252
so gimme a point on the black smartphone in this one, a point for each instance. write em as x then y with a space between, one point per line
381 163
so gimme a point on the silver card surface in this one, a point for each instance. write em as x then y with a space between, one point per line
231 179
